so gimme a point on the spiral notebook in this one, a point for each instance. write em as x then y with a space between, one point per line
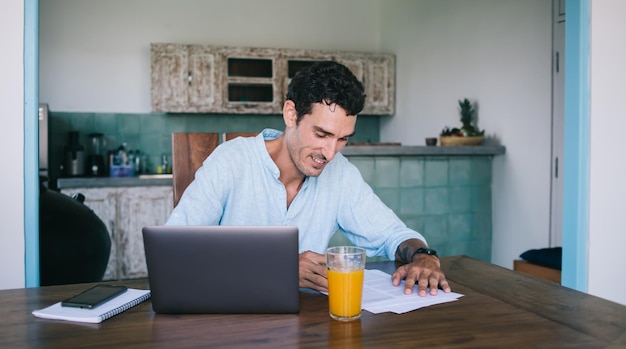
121 303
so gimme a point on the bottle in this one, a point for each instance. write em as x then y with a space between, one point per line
165 167
144 163
137 161
131 159
122 155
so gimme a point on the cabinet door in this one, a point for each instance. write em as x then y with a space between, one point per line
139 207
185 78
204 84
102 201
252 81
379 83
170 77
292 61
375 71
375 74
356 66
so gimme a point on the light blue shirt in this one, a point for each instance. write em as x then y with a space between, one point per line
238 185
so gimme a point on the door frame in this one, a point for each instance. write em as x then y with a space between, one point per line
31 143
575 259
575 164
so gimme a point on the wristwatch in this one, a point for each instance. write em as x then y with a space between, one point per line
428 251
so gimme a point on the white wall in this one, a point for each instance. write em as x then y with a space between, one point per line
12 141
607 172
95 55
496 52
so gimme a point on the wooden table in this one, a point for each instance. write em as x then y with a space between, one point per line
500 309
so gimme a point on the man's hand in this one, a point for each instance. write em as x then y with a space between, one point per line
425 271
312 269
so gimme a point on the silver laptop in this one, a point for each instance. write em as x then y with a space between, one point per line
222 269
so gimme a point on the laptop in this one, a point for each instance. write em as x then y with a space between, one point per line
222 269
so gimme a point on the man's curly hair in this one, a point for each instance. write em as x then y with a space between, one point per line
326 82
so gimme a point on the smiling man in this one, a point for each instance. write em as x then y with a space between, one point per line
299 177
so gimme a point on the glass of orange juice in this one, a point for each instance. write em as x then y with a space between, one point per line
346 265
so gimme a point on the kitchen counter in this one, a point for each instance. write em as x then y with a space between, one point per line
350 151
102 182
393 150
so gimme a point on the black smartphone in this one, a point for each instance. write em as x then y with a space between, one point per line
94 296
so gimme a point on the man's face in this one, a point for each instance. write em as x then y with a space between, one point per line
314 141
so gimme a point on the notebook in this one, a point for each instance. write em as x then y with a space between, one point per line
121 303
222 269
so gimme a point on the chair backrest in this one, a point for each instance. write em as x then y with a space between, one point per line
189 150
74 243
227 136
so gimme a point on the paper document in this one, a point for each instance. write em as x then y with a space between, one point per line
380 295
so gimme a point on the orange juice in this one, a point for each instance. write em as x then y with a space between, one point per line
345 289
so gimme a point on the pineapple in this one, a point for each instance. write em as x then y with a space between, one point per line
467 116
468 112
468 134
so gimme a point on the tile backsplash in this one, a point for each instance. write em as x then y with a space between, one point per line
446 198
151 133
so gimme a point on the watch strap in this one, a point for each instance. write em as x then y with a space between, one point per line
423 250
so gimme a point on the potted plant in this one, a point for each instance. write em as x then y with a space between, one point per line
468 134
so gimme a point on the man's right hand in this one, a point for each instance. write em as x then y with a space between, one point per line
313 271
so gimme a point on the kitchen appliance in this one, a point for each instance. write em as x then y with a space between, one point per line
74 159
95 160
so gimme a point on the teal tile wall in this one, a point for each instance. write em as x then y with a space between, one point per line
446 198
151 133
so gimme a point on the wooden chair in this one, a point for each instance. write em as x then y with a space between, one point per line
189 150
227 136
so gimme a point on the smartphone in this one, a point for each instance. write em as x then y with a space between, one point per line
94 296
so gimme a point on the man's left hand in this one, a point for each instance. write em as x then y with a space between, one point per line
426 272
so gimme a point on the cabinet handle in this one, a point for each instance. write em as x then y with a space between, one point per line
189 78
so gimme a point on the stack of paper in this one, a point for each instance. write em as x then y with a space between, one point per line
380 296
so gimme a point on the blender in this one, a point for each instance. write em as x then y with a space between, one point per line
74 160
95 161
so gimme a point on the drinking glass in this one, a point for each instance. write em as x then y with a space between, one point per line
346 267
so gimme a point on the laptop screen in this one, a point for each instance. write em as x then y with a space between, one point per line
222 269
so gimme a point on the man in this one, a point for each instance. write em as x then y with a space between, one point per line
299 178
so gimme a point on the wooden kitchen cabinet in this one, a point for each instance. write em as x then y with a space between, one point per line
375 70
213 79
245 80
250 81
125 211
185 78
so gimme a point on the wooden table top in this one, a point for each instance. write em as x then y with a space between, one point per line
501 309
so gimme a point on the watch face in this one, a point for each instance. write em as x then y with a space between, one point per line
427 251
